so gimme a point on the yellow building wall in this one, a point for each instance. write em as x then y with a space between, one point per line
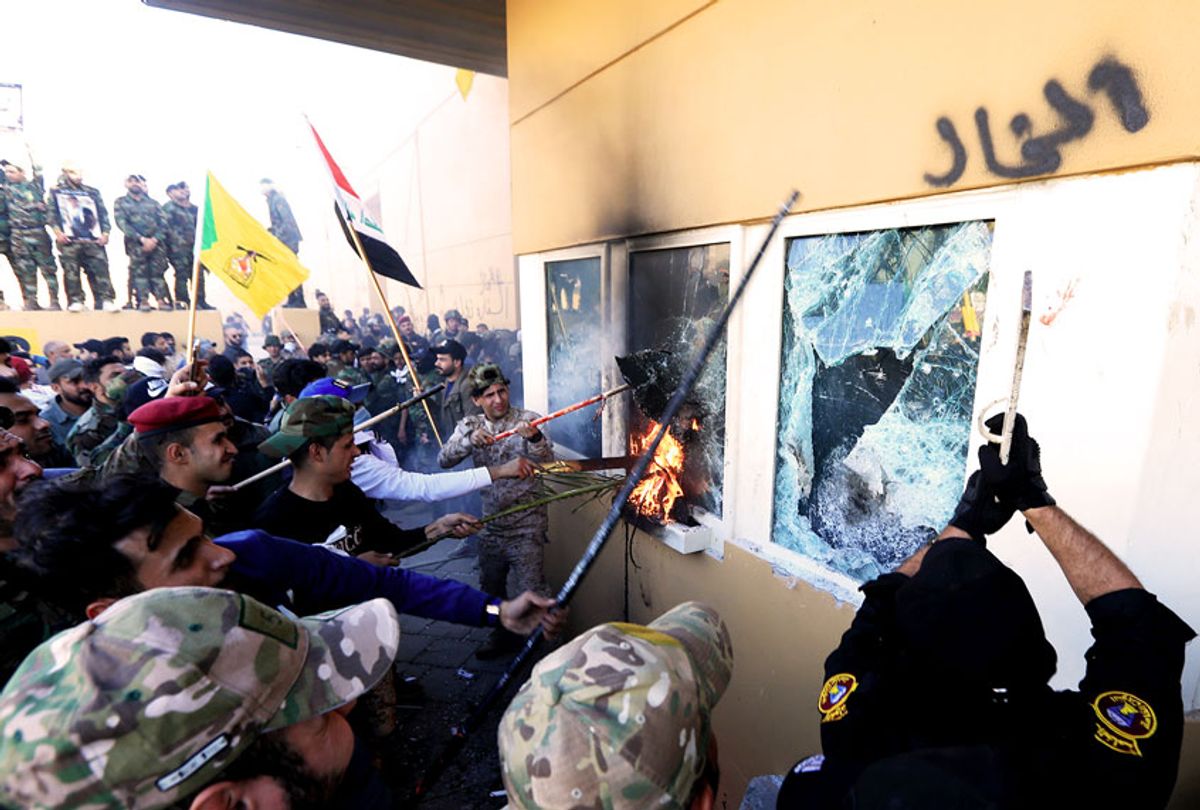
636 118
633 118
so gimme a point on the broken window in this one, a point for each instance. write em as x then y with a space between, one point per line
881 345
676 296
573 328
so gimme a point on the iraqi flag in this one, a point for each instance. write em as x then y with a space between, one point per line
381 256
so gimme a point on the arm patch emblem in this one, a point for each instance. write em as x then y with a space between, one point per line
1124 719
832 703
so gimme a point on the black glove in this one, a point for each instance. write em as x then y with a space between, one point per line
1020 481
980 511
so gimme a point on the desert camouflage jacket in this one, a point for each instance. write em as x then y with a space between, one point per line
509 491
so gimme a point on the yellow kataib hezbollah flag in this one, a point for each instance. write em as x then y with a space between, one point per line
259 268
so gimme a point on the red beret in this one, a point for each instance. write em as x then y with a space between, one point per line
170 414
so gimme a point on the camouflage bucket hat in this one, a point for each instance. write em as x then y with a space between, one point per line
146 704
483 377
620 717
307 419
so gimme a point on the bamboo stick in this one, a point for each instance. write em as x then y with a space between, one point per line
521 507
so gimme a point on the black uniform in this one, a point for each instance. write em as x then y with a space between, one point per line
973 723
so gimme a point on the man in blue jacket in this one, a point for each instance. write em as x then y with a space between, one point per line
94 545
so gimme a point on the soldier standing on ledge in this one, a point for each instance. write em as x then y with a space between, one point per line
28 240
285 229
141 219
4 229
181 242
79 251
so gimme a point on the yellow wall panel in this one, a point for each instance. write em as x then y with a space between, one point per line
555 43
714 120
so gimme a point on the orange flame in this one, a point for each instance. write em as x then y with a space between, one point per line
656 493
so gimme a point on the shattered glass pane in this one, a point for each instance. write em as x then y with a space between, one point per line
880 350
675 297
573 328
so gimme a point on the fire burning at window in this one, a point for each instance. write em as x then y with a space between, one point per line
655 495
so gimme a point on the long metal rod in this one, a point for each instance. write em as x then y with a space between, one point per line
374 420
1010 413
459 734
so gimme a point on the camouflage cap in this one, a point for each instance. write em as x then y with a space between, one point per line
146 704
620 717
272 340
307 419
484 376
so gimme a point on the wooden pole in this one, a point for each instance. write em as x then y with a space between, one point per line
387 311
195 282
374 420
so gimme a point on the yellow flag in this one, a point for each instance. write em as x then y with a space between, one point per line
259 268
970 318
464 79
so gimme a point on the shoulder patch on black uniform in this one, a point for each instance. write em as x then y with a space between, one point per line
834 693
1124 719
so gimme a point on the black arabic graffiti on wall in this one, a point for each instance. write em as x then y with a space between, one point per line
1041 154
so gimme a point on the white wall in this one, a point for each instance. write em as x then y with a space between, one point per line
1110 383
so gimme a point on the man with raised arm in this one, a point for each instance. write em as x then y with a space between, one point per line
939 695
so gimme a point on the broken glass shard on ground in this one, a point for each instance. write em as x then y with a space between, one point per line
880 351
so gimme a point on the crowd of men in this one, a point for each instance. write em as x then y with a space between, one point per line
71 217
169 638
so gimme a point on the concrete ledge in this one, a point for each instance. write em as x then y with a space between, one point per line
75 327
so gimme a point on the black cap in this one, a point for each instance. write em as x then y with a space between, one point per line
91 345
272 340
452 348
967 619
141 392
340 345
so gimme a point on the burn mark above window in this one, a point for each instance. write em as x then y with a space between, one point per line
880 351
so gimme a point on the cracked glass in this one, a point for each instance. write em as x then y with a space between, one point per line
881 339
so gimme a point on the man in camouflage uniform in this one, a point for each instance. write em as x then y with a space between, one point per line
181 242
517 541
285 229
621 717
342 367
181 693
385 393
273 346
82 252
87 441
28 241
142 221
4 228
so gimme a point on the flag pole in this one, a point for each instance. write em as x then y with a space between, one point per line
387 311
195 282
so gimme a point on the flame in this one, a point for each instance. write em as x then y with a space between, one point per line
656 493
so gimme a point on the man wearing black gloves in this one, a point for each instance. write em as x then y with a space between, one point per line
938 695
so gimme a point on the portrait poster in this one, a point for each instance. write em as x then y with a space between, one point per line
78 215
